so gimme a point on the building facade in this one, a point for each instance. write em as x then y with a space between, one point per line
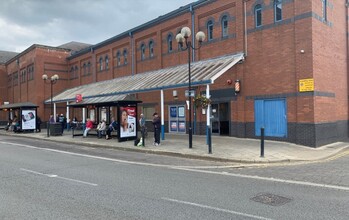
294 77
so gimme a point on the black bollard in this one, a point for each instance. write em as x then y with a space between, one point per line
48 129
262 142
209 141
143 136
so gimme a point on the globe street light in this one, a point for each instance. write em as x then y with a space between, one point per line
183 38
51 81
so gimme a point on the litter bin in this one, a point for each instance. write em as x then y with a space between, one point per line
55 129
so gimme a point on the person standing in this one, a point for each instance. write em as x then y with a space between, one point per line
143 129
52 119
157 127
38 124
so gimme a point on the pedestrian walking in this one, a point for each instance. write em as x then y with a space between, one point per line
157 127
38 124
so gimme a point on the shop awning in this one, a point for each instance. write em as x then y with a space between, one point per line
202 73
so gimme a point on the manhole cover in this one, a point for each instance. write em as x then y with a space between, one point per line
270 199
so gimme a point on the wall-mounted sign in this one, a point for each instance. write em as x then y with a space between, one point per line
306 85
78 98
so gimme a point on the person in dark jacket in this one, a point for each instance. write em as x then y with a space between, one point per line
38 124
112 127
157 128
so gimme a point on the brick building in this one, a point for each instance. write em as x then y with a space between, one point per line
294 75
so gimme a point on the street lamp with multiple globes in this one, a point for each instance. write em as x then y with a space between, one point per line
183 38
51 81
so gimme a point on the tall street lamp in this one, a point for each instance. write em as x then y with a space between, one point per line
183 38
51 81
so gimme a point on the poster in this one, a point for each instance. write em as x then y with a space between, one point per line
173 126
181 126
181 111
28 119
173 112
128 122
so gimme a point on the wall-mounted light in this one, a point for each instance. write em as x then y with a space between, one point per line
237 86
175 94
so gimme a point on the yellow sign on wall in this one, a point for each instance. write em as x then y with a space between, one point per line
306 85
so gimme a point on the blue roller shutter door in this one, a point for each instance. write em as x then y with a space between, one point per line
271 114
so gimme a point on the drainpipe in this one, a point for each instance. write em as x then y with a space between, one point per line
162 115
347 36
245 27
132 54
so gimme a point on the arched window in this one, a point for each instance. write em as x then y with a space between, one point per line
169 43
151 49
210 30
324 10
224 24
142 51
85 69
258 15
76 72
72 73
118 58
277 10
125 56
88 67
100 63
106 62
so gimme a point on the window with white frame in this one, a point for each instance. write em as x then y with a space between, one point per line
118 58
324 10
277 10
106 62
125 56
151 49
169 43
100 64
142 51
224 24
210 30
258 15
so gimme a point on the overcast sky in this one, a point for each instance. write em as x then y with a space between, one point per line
56 22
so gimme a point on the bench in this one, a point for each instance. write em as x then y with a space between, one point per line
79 128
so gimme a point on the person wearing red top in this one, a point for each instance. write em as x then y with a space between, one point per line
89 126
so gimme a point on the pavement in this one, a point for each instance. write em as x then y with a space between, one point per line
224 149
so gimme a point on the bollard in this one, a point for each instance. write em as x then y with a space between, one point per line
262 142
209 140
48 129
143 136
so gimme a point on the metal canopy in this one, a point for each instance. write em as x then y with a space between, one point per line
105 101
202 73
18 105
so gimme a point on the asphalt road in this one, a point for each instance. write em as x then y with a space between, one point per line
43 180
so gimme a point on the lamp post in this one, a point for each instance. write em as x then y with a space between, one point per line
51 81
183 38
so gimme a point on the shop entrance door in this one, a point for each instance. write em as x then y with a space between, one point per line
220 119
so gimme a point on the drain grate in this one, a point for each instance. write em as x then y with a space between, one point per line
271 199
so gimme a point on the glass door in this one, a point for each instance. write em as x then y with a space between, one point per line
215 119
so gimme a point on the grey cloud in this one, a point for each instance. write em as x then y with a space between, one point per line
88 21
